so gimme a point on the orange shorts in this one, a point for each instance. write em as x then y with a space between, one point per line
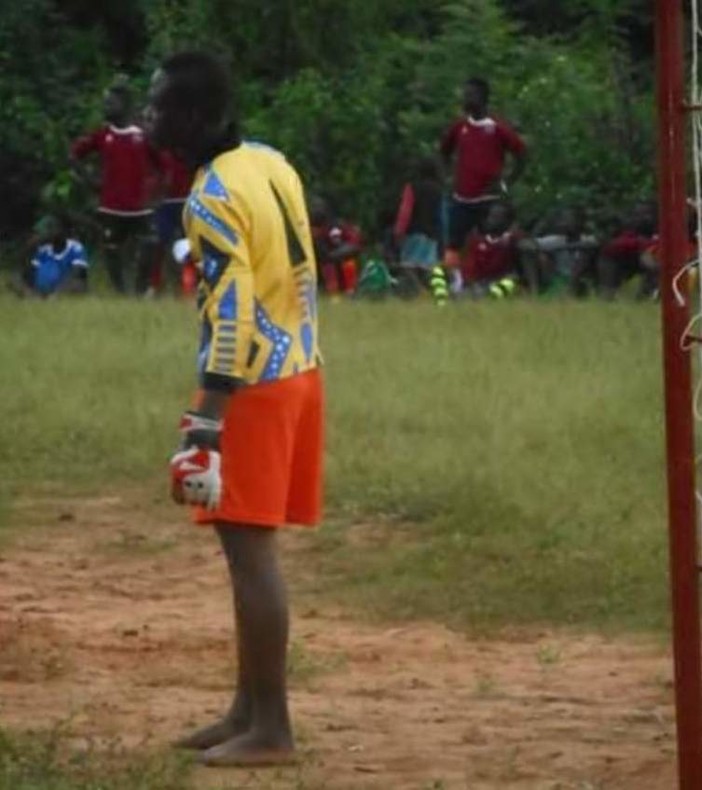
272 443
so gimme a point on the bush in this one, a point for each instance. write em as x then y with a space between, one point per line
353 93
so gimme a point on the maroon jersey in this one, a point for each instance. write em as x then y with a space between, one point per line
333 235
480 148
628 246
491 257
177 176
129 168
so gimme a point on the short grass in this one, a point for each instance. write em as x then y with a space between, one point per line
43 761
506 459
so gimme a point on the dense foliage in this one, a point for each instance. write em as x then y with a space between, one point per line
353 92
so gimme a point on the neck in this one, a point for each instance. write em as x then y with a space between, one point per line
478 115
213 145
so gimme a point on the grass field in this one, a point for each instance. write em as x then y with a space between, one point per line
508 458
489 465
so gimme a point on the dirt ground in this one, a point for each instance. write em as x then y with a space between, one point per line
121 629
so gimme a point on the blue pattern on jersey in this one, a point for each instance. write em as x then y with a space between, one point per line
214 262
52 268
200 210
279 339
307 338
213 187
228 307
309 296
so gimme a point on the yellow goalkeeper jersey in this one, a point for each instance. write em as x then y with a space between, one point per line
246 220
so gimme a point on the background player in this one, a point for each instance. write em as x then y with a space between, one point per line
168 217
129 172
479 143
252 449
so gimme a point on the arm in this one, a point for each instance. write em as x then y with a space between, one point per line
219 239
404 213
448 144
80 150
349 246
77 281
515 144
161 175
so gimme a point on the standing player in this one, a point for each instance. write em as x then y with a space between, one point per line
251 453
129 171
168 217
479 143
417 230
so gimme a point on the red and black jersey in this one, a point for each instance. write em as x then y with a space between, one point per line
480 147
628 246
332 236
177 176
130 168
491 257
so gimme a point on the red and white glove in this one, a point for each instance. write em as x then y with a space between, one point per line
196 477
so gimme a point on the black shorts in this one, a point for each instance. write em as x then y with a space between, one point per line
119 228
463 219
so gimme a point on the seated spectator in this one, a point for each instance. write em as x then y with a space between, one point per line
417 228
337 245
491 265
565 259
622 256
651 257
59 263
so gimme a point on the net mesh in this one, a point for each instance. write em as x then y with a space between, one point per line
691 296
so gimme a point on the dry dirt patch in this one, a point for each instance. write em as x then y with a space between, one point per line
121 625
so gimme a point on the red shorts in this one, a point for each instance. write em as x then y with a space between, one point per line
272 444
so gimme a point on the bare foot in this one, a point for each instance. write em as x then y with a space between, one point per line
213 735
251 750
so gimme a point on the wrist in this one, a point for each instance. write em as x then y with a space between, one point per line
200 430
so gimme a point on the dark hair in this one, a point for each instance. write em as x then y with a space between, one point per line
60 218
201 81
120 86
482 85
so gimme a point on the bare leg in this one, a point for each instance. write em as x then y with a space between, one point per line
237 720
262 620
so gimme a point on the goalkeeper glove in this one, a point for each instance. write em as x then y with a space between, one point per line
196 468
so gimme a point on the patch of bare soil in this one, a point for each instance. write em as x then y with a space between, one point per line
120 627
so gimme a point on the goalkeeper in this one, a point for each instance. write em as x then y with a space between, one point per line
251 453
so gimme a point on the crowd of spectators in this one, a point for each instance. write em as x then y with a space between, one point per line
468 242
471 243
